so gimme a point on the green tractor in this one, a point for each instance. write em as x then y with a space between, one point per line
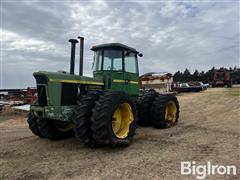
101 110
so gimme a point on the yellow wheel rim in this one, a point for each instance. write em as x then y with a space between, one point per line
64 127
121 120
171 112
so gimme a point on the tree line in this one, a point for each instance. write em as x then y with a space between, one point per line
205 77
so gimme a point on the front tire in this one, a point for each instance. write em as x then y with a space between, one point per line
33 124
82 118
114 119
55 130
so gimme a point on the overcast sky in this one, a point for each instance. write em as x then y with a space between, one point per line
171 35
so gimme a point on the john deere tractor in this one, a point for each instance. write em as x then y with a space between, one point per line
100 110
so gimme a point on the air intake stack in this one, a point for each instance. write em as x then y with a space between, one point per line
72 59
81 55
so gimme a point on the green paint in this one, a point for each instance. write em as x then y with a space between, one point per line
117 71
54 94
57 76
132 88
63 113
118 81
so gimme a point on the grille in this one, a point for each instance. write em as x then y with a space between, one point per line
42 97
69 94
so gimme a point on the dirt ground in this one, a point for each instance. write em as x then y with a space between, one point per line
208 130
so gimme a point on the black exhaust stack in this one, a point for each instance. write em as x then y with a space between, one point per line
81 55
72 60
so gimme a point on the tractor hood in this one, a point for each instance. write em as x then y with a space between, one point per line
43 77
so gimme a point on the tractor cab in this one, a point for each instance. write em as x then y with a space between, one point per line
117 64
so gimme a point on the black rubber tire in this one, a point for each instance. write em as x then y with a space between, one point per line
83 113
144 105
158 111
33 124
102 119
49 130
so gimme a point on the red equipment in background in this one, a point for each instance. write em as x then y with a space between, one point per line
221 78
30 96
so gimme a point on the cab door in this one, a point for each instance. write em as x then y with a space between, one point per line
113 69
131 74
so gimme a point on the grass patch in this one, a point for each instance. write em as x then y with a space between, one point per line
233 92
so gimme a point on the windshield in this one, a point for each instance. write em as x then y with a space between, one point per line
112 60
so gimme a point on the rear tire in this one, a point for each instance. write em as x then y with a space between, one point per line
114 119
82 119
55 130
165 111
144 108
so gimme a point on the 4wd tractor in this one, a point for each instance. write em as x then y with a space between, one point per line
100 110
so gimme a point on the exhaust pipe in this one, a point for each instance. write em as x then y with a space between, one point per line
81 55
72 59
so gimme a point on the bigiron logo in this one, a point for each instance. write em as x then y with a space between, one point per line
201 171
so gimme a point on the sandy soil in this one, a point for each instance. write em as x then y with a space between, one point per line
208 130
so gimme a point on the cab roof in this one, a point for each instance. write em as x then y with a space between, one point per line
114 46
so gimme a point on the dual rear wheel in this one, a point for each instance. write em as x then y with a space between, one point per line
158 110
164 111
109 119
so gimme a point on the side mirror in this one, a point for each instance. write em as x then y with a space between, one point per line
140 54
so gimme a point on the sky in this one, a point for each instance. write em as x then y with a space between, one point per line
172 35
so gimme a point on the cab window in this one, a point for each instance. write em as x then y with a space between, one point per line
130 60
112 60
97 60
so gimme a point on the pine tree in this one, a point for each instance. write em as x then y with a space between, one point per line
186 75
195 76
177 77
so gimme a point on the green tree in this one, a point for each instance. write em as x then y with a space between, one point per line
209 74
202 76
235 75
195 76
177 77
186 75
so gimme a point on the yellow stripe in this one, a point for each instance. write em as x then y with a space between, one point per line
75 81
118 81
123 81
133 82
